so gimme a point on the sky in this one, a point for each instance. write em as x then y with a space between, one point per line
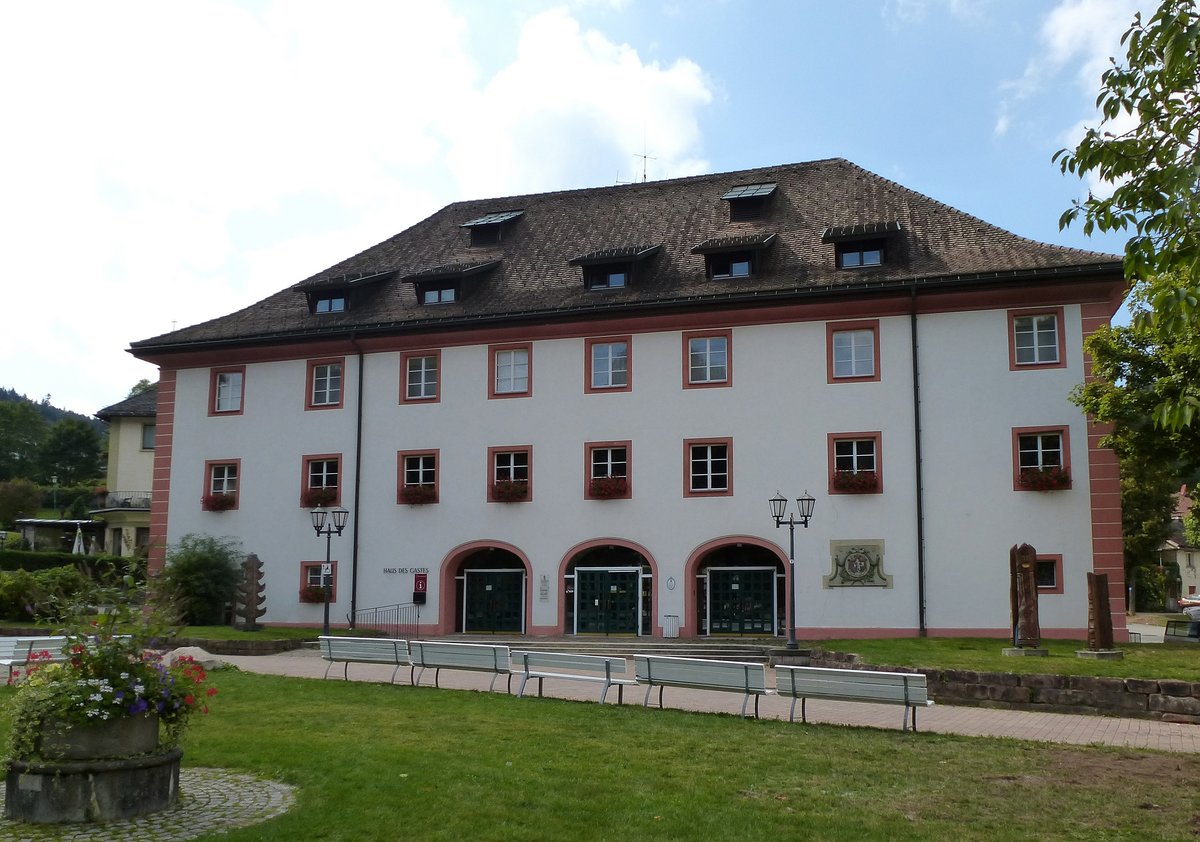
163 164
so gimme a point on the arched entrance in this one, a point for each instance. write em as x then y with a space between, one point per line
740 589
490 585
608 589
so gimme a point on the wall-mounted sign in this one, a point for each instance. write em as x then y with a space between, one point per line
421 582
406 570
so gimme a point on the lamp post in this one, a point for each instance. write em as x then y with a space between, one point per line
54 491
324 525
804 508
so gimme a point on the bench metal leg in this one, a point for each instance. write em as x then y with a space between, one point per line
804 710
327 668
746 699
792 712
396 670
604 691
521 686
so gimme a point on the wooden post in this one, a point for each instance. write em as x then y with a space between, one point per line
1023 596
1100 629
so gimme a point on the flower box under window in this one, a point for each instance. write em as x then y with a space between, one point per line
312 594
856 482
315 498
1052 478
510 490
218 502
608 488
417 495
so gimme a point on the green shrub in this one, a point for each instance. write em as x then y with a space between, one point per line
201 575
26 595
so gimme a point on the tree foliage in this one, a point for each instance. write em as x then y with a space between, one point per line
71 452
1155 169
139 387
202 574
22 431
18 498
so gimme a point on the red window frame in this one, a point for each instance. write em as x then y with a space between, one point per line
873 435
588 344
688 336
1064 433
1013 315
213 376
402 456
493 350
404 358
310 381
688 444
322 457
209 464
591 446
527 449
305 566
832 328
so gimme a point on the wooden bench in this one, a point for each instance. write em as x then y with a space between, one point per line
730 676
543 665
16 651
365 650
478 657
895 688
1182 631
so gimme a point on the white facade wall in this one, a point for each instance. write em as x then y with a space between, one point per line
778 412
130 468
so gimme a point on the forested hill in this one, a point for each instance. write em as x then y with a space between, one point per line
49 412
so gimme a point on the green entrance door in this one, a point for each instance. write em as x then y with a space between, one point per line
741 600
607 600
494 601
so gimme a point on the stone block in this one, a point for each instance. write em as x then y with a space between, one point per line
1175 704
1141 685
1092 683
1044 682
1001 693
1174 687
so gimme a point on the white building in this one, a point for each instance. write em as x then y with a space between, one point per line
697 345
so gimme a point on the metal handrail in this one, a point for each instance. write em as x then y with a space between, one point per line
400 621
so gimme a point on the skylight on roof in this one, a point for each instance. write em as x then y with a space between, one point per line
493 218
750 191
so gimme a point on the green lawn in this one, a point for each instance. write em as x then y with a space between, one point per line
1141 660
381 762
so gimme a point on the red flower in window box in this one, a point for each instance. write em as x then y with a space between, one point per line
218 502
856 482
312 594
607 488
417 495
1051 478
510 490
315 498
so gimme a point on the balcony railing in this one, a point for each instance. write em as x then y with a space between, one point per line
127 500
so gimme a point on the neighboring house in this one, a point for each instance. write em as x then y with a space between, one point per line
565 413
1176 550
130 476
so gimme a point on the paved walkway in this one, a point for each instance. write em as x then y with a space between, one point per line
945 719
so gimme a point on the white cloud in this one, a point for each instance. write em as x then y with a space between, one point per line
171 162
575 109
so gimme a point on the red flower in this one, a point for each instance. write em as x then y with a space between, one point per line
189 700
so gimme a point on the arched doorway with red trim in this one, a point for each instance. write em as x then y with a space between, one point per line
485 590
608 588
737 586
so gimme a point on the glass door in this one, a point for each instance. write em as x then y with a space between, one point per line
494 601
607 600
741 600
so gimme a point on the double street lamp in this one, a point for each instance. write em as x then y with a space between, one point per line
779 509
328 526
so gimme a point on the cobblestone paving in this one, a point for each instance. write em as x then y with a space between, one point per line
210 801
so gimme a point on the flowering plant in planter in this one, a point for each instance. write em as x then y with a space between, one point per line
607 488
417 495
1049 478
107 671
510 490
218 502
312 593
856 482
314 498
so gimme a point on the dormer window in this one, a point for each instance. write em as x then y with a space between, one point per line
330 303
437 293
606 277
612 268
733 264
488 230
727 258
862 246
749 201
861 253
446 284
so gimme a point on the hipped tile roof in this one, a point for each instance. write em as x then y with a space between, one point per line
536 278
142 405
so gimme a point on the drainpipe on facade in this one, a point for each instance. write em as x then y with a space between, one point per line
923 631
357 487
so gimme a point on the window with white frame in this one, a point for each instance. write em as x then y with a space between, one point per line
609 462
708 360
421 377
1039 450
420 469
227 391
511 465
1035 339
511 371
854 456
610 365
223 478
326 385
854 353
708 467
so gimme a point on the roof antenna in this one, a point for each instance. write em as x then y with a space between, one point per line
173 323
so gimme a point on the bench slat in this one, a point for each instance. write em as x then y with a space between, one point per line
478 657
908 689
661 671
598 668
364 650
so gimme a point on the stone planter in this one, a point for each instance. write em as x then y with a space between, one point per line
95 772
